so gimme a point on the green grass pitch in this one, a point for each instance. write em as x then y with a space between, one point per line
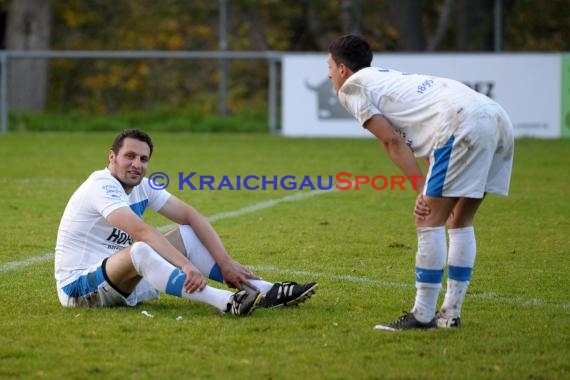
359 245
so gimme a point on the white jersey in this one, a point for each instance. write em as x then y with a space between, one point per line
85 237
425 110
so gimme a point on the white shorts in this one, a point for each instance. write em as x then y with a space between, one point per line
91 288
477 158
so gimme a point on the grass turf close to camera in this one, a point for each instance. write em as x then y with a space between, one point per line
358 244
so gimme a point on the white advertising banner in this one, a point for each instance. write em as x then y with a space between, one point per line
528 86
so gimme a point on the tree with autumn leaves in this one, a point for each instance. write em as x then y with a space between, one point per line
104 86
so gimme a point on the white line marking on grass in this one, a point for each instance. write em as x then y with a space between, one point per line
37 181
519 301
258 206
13 265
336 277
267 204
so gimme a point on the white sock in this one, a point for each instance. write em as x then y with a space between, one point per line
462 252
199 255
430 261
262 285
212 296
166 278
202 259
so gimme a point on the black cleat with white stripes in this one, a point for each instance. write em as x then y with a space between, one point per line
288 293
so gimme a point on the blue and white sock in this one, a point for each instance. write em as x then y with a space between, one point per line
168 279
461 259
202 259
199 255
430 261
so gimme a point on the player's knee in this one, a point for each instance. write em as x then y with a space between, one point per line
460 219
187 232
140 246
431 220
454 223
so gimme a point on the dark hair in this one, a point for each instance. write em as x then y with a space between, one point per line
352 51
133 134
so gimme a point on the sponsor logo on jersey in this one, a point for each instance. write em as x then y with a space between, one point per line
113 191
120 237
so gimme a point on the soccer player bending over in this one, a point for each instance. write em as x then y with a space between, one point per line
466 140
106 255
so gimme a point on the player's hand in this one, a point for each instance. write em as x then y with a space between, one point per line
195 281
421 209
236 275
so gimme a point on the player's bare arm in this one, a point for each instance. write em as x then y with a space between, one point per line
235 274
126 220
421 209
396 148
401 155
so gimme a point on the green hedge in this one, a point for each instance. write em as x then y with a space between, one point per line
164 120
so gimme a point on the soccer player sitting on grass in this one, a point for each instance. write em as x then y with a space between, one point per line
106 255
467 141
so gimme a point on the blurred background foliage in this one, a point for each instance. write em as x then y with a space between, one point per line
103 87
